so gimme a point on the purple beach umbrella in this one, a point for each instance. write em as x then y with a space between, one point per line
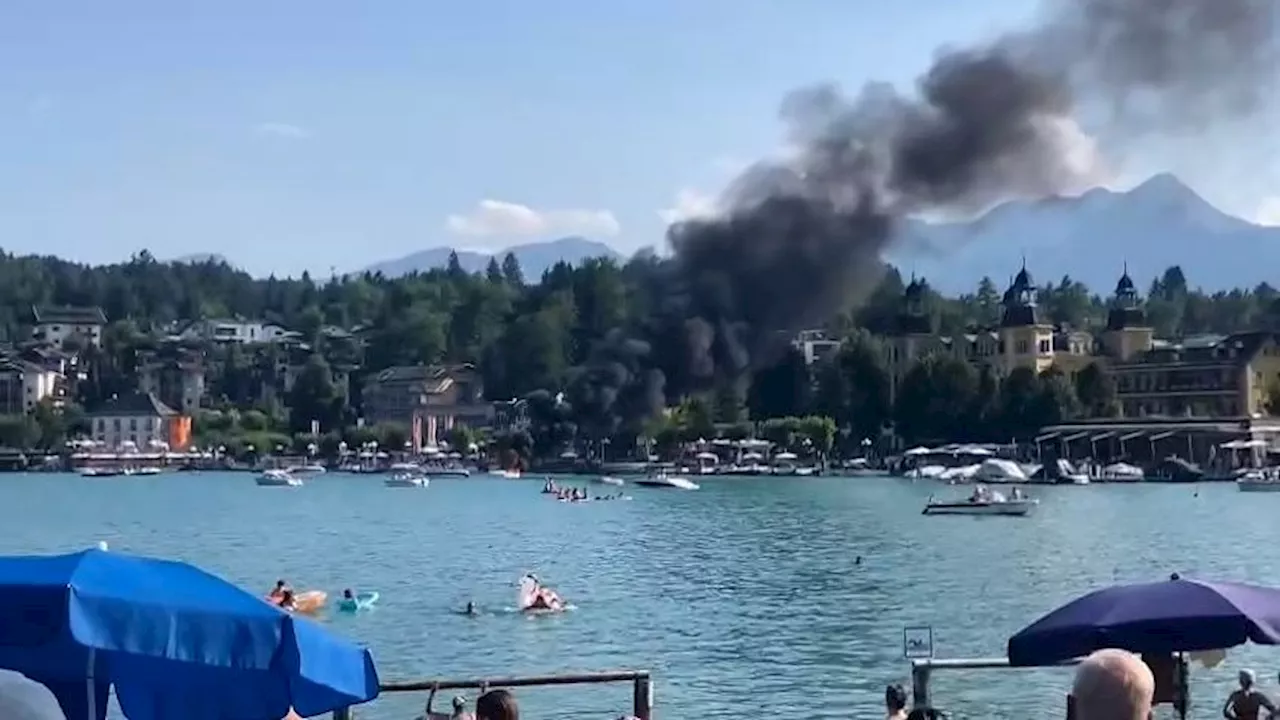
1176 615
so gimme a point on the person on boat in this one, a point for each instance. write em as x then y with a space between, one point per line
1247 702
287 602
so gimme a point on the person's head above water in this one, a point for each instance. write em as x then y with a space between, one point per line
895 698
497 705
280 584
1113 685
347 594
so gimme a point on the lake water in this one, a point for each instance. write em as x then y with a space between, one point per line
744 597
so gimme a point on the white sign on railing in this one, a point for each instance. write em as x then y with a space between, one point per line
917 642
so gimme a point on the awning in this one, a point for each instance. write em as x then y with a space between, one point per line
1077 436
1161 436
1131 436
1047 437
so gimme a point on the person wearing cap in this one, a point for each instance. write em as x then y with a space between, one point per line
22 698
1247 702
460 709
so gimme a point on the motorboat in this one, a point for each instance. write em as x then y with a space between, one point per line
455 472
610 480
407 480
984 502
312 469
147 470
1258 481
506 474
1058 472
99 472
1121 472
663 480
997 470
278 478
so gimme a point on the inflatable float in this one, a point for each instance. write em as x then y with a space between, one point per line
362 601
310 601
530 597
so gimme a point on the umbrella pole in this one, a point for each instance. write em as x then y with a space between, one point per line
89 682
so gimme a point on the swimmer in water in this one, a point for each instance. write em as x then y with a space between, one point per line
471 609
280 589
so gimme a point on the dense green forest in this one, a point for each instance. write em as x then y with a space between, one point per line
600 348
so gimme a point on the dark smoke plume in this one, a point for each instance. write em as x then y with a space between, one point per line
800 240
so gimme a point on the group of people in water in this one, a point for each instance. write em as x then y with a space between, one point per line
573 494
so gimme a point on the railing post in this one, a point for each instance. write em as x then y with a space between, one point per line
642 698
920 684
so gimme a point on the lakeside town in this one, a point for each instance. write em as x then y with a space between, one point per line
489 371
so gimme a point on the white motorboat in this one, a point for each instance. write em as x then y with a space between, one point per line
506 474
91 471
407 480
278 478
610 480
997 470
147 470
1258 481
309 470
984 502
1121 472
456 472
663 480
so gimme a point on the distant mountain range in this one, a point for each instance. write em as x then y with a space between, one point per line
1159 223
1091 238
535 258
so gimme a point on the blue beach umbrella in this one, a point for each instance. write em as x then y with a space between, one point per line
1177 615
174 640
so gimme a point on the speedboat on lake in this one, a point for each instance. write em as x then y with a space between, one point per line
610 480
984 502
663 480
1258 481
278 478
407 480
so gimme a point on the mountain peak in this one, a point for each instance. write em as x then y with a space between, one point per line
1157 223
535 258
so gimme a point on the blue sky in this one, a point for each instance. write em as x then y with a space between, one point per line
292 134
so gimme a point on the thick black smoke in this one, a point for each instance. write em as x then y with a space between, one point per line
802 239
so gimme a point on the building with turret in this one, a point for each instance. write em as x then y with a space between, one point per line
1023 337
1202 376
1179 397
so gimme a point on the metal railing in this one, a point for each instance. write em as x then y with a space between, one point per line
922 669
641 687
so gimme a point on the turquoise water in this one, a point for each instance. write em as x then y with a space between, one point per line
743 597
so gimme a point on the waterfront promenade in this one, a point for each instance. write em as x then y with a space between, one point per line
743 597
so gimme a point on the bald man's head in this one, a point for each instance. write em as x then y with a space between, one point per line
1113 685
